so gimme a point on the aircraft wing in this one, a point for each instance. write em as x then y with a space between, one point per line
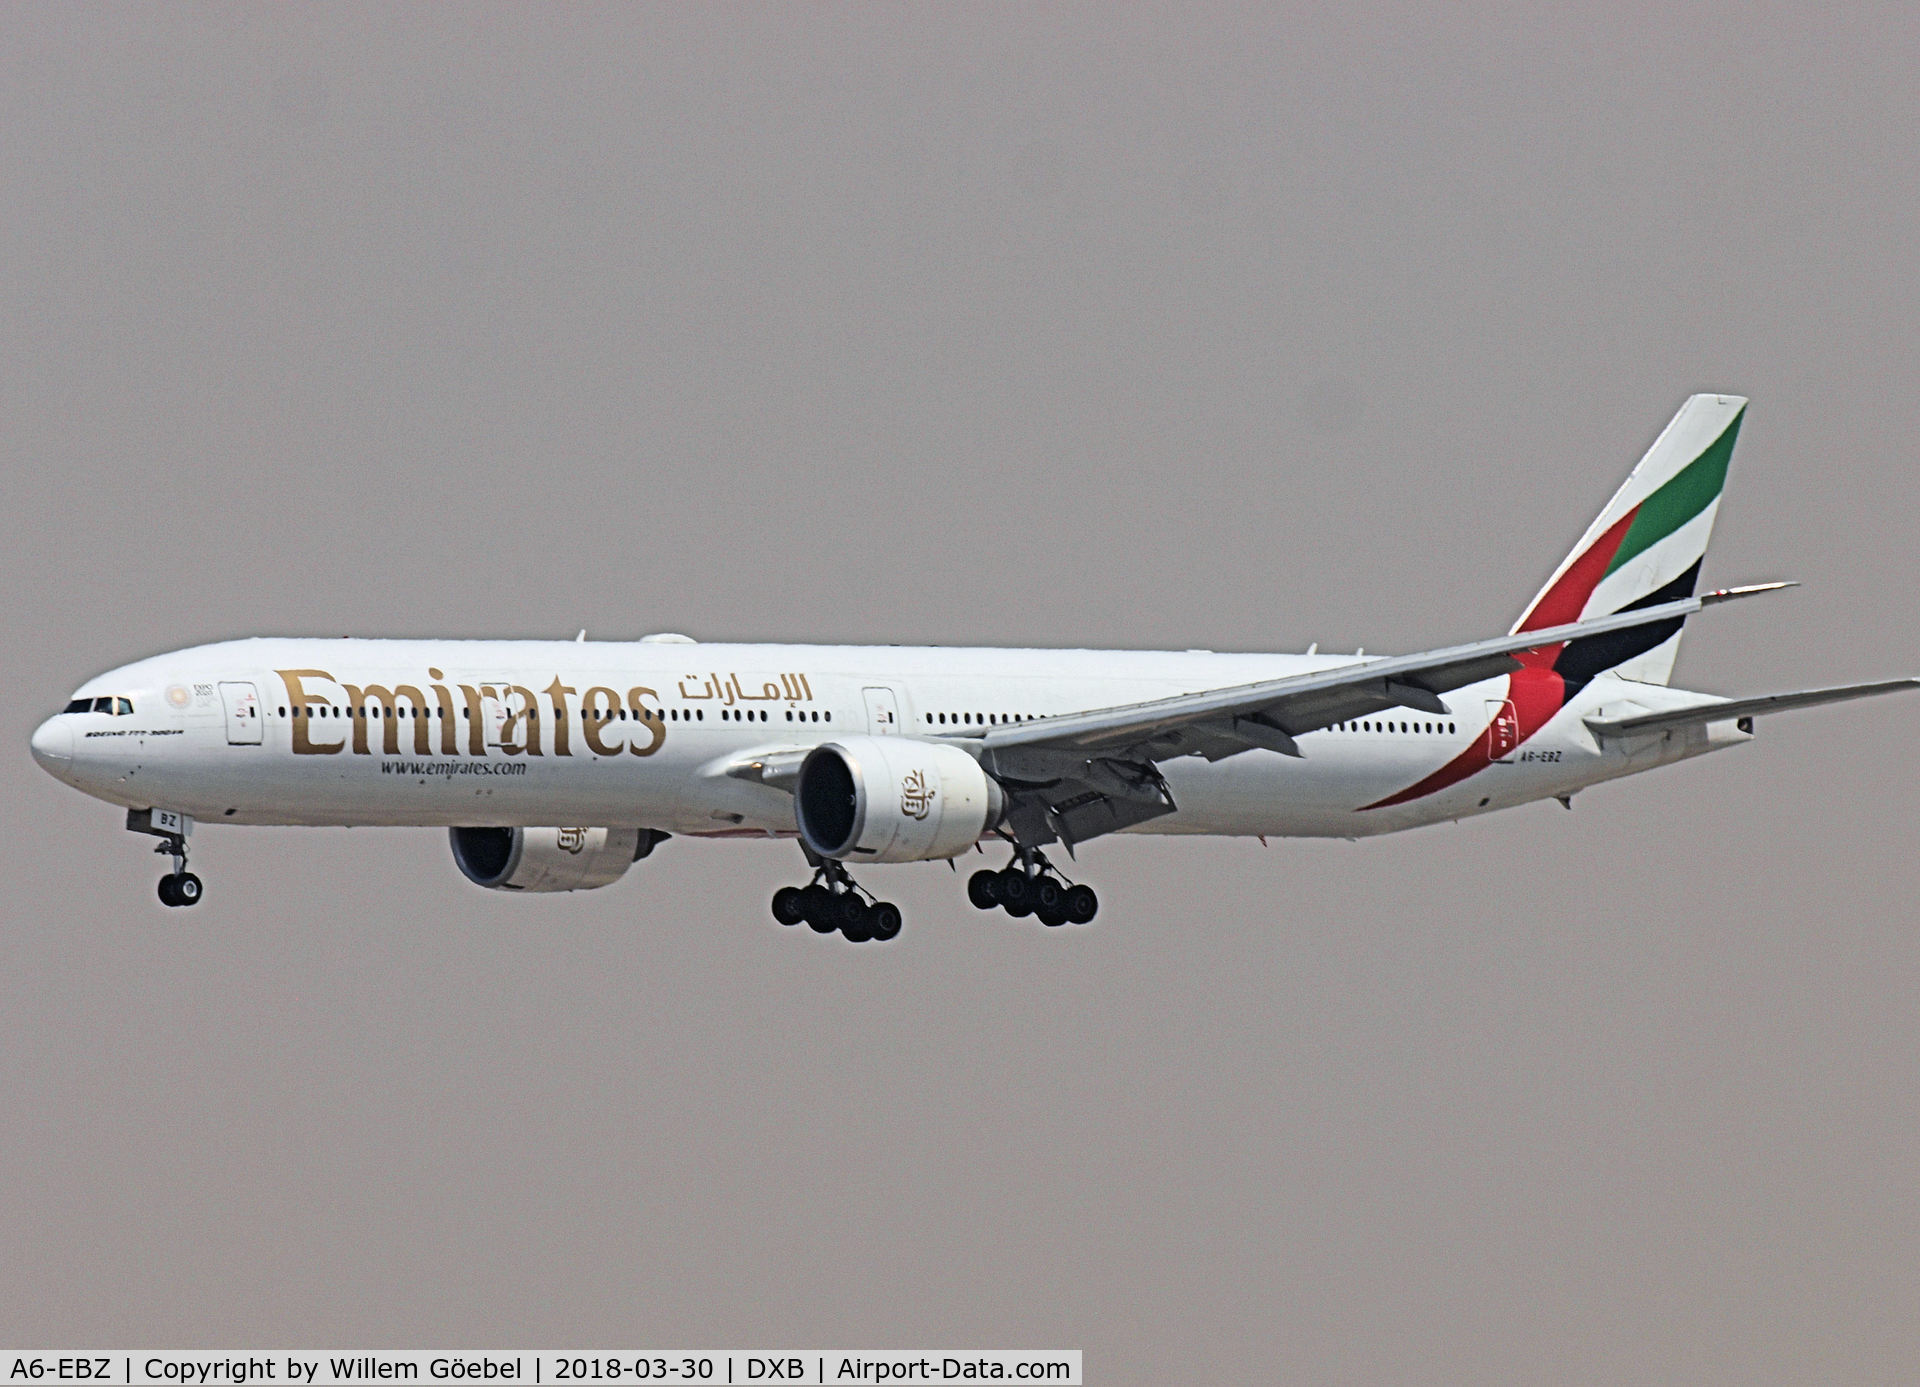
1084 774
1727 710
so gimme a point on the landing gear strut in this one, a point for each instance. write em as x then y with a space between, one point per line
180 886
833 903
1031 885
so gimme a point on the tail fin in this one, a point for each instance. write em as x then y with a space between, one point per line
1644 548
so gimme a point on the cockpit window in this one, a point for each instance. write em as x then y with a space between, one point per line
117 707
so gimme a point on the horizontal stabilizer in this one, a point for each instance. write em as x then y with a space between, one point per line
1729 709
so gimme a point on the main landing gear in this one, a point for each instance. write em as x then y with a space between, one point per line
1030 885
832 903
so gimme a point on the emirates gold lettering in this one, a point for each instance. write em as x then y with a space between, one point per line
650 717
520 733
503 716
297 695
476 712
558 693
443 703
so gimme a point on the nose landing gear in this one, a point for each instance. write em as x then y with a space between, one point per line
832 903
180 886
1031 885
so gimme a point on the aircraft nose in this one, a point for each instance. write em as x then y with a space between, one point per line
53 744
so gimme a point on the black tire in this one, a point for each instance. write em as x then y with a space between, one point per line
885 920
983 889
1016 888
166 891
187 889
1018 909
789 905
856 919
1052 916
816 905
1046 895
1081 905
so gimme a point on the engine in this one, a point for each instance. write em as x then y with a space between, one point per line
549 859
893 799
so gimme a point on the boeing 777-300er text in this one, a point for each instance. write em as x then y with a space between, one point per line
872 755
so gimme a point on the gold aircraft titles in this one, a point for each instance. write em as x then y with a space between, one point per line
498 715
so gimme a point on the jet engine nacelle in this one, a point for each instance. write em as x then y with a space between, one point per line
548 859
893 799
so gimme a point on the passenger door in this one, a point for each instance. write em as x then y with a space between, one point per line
242 703
883 712
496 706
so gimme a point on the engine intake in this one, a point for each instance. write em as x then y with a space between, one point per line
893 799
549 859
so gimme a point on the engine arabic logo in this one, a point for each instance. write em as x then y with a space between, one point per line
573 840
916 796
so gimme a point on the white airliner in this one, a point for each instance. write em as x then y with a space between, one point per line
891 754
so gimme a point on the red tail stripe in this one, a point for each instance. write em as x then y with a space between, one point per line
1567 598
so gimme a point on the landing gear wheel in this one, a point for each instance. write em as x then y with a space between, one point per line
983 889
1016 889
1046 897
884 920
817 905
166 892
856 920
1019 909
1081 905
1052 916
187 889
789 905
849 911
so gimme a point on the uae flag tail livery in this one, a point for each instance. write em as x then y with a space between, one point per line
1643 550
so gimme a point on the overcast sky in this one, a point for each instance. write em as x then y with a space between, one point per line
1017 325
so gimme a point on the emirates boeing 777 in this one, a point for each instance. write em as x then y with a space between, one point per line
555 765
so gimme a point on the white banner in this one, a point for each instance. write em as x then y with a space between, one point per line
545 1368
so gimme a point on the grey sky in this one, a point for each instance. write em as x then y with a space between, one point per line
1063 326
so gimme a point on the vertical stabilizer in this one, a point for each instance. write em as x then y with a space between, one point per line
1645 547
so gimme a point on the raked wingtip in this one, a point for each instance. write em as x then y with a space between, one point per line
1749 590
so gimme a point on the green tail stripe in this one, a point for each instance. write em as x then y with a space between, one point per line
1691 491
